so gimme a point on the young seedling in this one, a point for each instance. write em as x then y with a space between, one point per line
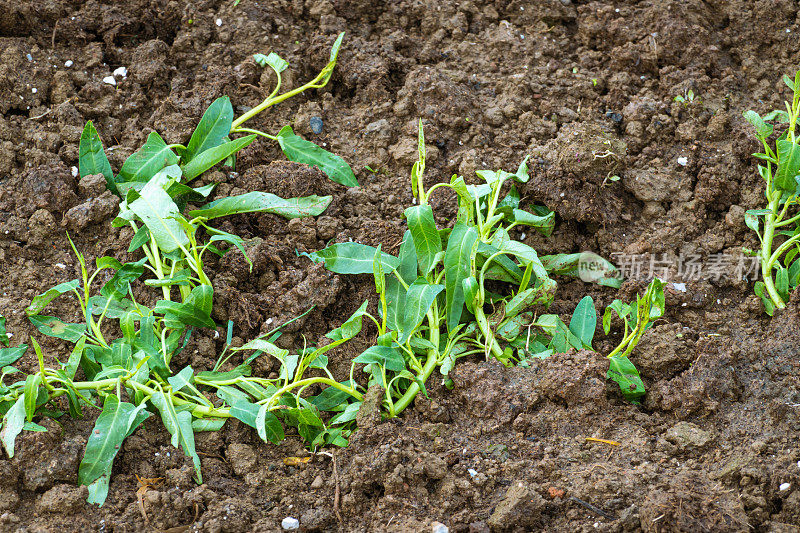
637 317
780 237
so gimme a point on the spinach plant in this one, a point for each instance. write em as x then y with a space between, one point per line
126 366
780 263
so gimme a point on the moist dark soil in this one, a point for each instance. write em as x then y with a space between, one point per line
713 446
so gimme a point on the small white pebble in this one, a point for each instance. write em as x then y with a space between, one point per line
784 487
122 72
62 266
472 472
68 63
216 334
798 464
269 321
9 335
219 22
74 172
562 195
438 527
30 57
110 80
719 301
290 523
683 161
34 90
679 287
522 236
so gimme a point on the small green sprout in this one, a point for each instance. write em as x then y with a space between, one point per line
685 100
780 237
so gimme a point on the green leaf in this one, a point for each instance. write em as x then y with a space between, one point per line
41 301
395 291
782 282
212 130
13 422
273 60
419 298
91 157
181 379
352 258
8 356
208 375
207 424
160 214
788 165
348 415
245 412
457 264
179 424
625 374
148 160
184 419
763 130
471 290
623 310
761 291
264 202
105 440
194 311
331 397
426 237
268 426
302 151
544 224
210 157
117 286
522 172
584 321
54 327
328 70
389 357
31 394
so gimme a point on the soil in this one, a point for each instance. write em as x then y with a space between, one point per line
715 441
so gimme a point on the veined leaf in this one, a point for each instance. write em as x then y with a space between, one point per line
8 356
273 60
148 160
457 261
41 301
352 258
160 214
788 165
54 327
388 357
625 374
104 442
419 298
210 157
395 291
301 151
212 129
426 237
584 321
92 159
544 224
268 426
13 422
264 202
763 130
